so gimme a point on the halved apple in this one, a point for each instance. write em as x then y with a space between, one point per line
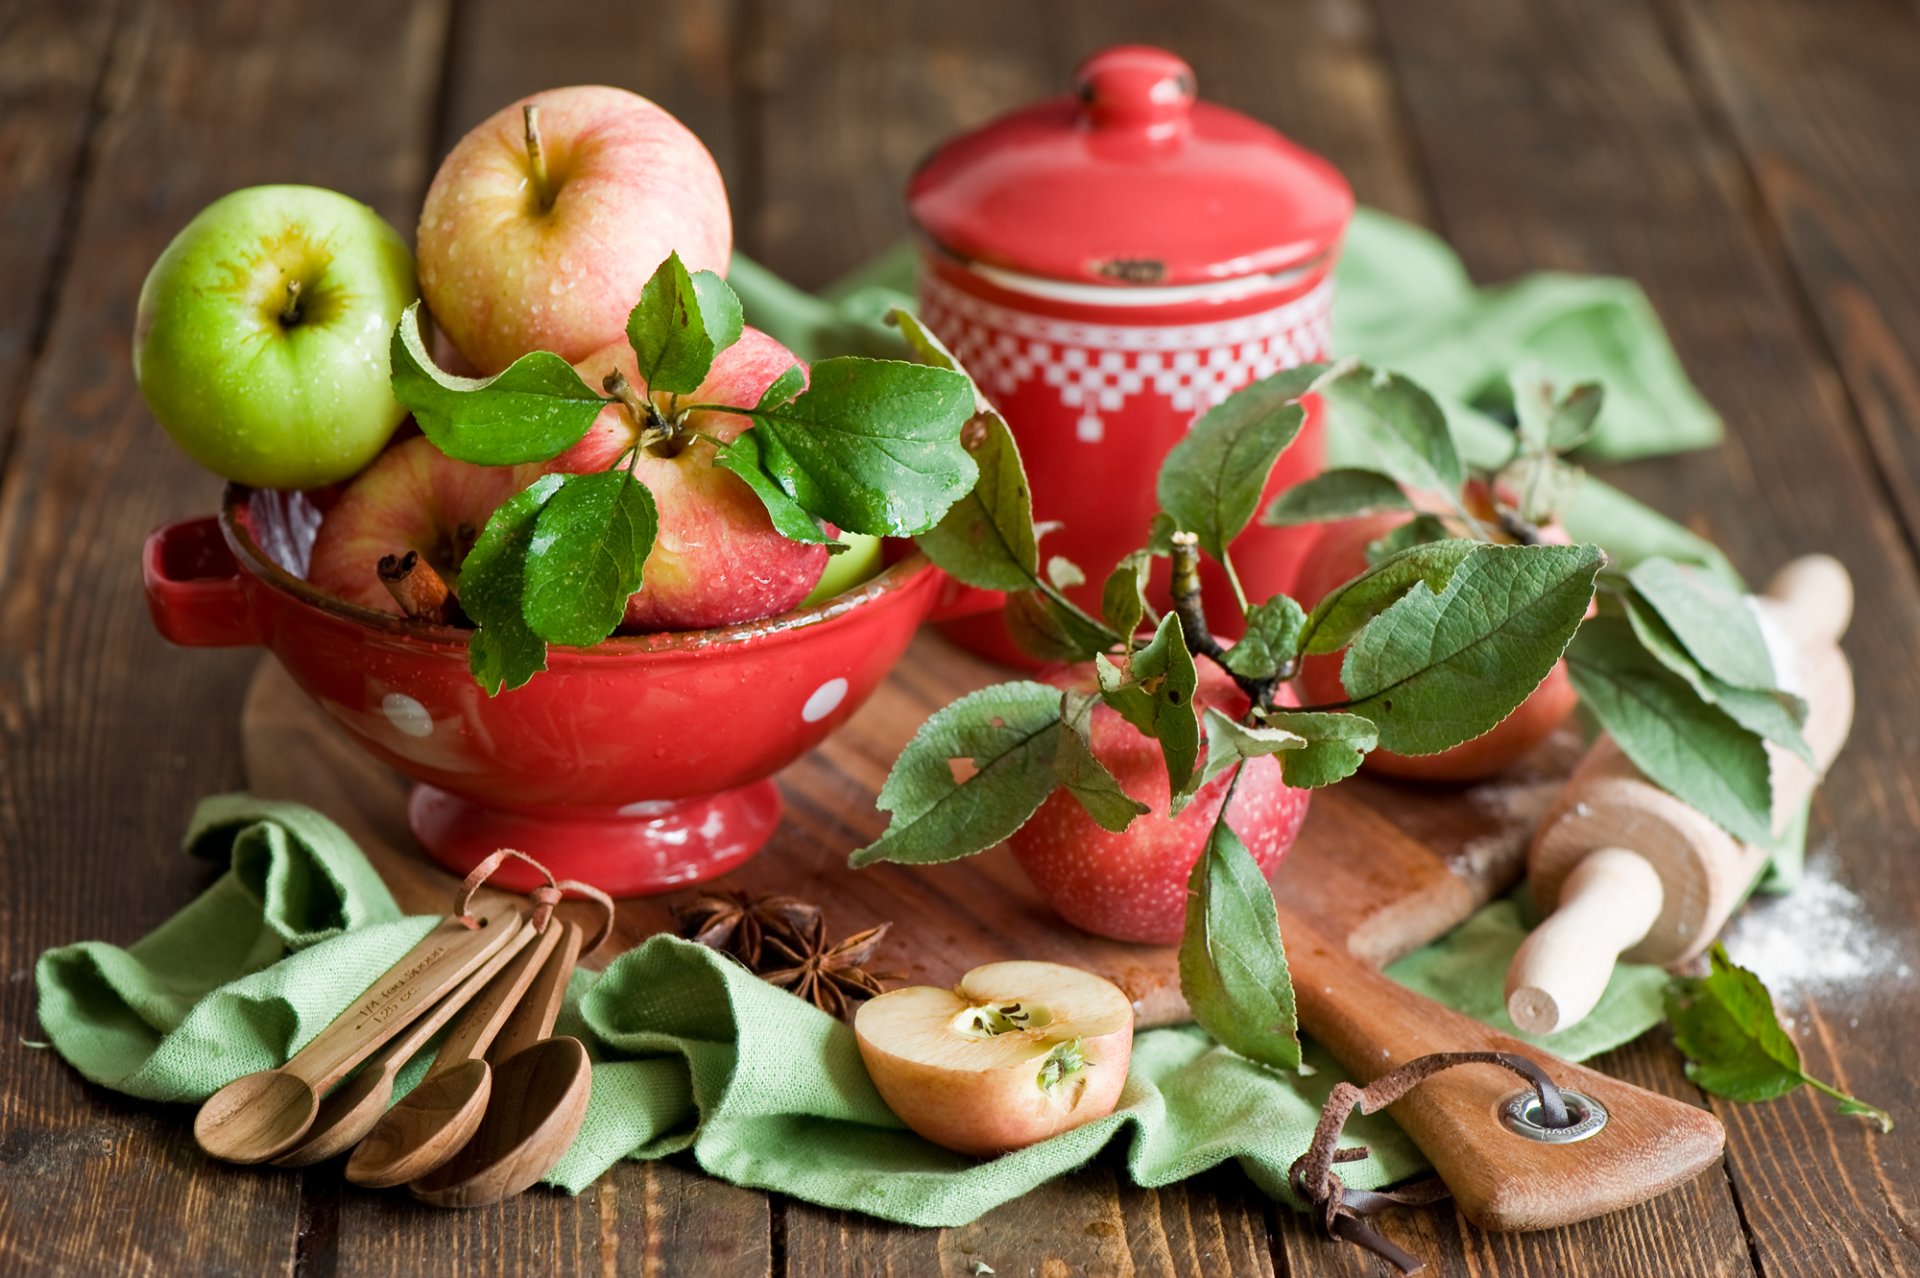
1015 1053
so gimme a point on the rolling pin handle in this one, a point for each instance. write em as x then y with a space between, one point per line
1608 904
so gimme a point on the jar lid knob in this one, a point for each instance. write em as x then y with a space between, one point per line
1134 86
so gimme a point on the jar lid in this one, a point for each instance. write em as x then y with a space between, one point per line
1130 181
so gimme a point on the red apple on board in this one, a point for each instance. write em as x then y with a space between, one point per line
717 558
1015 1053
1340 554
1132 886
413 498
546 247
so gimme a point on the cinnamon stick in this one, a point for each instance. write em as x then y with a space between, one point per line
420 591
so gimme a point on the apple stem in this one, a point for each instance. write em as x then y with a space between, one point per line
290 313
654 429
1192 612
537 158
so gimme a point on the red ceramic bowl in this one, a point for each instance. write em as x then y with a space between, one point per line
638 765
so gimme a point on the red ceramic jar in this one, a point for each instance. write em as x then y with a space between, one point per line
1109 265
638 765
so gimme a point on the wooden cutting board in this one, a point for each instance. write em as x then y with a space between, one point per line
1380 868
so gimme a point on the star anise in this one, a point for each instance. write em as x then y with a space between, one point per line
740 924
831 977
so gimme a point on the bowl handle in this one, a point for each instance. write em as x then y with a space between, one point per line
193 587
957 599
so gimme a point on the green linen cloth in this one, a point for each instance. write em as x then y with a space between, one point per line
693 1052
1402 300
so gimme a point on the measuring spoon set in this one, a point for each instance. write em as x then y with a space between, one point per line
500 1104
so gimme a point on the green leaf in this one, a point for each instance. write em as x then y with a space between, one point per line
1123 600
1155 695
1338 617
1008 735
504 651
1421 530
1229 742
1210 482
1398 423
1053 629
742 457
1711 619
1336 494
1684 745
783 388
1272 640
533 410
872 445
987 538
1083 775
1233 966
1725 1024
590 542
1774 715
679 324
1437 669
1335 745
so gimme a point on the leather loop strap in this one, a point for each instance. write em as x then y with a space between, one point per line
544 898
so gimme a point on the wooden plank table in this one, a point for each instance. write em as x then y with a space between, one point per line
1753 162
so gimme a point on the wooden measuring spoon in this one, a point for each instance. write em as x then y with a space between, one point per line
540 1090
350 1110
435 1119
264 1114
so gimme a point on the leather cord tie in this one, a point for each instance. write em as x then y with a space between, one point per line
544 897
1340 1208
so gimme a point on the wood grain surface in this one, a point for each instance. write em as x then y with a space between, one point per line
1750 161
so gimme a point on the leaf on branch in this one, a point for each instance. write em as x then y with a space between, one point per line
873 445
1337 494
1155 694
1123 600
1712 620
783 388
1396 421
1229 742
590 541
742 456
1054 630
1233 965
1009 735
533 410
1335 745
1439 668
1210 482
1777 716
987 539
1338 617
1083 775
504 652
1687 747
679 324
1272 640
1726 1026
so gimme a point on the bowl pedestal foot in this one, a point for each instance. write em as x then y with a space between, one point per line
636 850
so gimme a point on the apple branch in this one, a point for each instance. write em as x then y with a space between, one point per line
653 428
1192 612
537 158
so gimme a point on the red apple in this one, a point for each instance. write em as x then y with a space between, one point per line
1133 886
1013 1054
717 558
1338 555
518 254
414 497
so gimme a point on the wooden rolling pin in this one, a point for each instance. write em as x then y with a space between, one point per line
1634 874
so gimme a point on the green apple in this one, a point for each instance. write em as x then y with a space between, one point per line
859 561
261 338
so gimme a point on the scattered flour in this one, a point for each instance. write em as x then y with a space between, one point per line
1818 941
